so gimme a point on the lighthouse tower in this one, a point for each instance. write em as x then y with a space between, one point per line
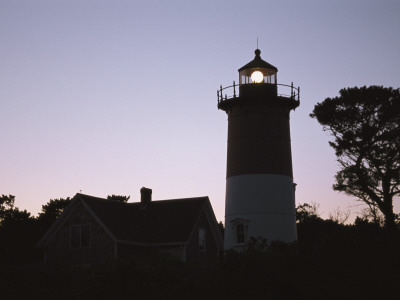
260 193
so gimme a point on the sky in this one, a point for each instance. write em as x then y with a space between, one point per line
105 97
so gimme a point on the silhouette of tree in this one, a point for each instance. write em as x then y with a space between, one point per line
52 210
261 271
221 228
13 215
373 215
118 198
18 232
339 216
55 207
306 212
9 214
6 203
364 123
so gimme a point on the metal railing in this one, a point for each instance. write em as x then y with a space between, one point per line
283 91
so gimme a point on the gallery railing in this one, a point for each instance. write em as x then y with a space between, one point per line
284 90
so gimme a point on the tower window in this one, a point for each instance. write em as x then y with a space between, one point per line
241 233
240 230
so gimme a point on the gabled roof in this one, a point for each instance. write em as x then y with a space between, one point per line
157 222
257 62
166 221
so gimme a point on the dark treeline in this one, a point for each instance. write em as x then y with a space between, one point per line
330 260
20 231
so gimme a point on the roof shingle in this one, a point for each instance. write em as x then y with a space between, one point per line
166 221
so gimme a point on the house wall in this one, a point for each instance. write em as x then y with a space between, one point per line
59 250
211 253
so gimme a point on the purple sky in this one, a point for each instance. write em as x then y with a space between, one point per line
109 96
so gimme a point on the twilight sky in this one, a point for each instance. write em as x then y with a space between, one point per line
105 97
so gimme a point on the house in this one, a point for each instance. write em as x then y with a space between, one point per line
93 230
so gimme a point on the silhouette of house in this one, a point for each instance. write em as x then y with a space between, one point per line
93 230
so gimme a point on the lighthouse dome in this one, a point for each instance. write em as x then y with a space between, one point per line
257 71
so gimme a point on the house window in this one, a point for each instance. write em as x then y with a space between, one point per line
202 239
80 236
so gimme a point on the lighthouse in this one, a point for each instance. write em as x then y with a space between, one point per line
260 192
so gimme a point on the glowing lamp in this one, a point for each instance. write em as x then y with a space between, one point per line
257 77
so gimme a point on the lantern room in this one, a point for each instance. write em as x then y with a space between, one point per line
257 71
258 83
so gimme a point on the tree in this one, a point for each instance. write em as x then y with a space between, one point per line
307 212
118 198
17 233
9 214
365 125
14 215
339 216
52 210
6 203
373 215
55 206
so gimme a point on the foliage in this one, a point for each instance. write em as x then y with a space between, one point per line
17 233
364 123
118 198
258 244
306 212
6 203
9 214
350 261
52 210
345 266
55 206
339 216
372 215
221 228
14 215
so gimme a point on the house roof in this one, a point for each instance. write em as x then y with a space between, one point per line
167 221
157 222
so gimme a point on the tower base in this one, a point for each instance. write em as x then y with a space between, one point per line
259 205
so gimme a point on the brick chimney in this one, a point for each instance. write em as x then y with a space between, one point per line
145 195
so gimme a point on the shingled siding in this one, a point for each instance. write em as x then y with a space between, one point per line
211 253
101 245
